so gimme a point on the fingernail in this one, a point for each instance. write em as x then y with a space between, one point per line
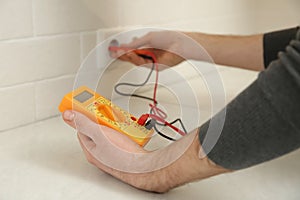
69 115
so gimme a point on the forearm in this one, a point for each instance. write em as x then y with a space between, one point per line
190 166
238 51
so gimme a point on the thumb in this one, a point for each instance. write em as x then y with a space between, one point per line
82 123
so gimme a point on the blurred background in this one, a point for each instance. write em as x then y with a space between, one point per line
43 42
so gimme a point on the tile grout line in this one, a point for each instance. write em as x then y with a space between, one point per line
50 36
64 34
126 27
33 19
37 81
27 124
35 101
81 47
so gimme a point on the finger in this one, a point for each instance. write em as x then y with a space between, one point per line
127 58
139 42
134 58
101 135
117 53
296 44
293 53
113 54
124 56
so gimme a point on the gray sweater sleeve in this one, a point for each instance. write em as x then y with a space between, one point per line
276 41
263 122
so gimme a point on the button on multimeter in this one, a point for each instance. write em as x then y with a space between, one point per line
102 111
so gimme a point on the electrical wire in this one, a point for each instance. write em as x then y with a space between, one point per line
135 85
162 134
155 113
173 122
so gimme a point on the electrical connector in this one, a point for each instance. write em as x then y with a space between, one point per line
150 124
142 120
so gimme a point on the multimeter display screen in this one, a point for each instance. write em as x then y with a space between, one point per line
83 96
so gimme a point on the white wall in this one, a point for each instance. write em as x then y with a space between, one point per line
42 42
222 16
41 47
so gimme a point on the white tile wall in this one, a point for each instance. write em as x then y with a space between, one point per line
88 41
43 42
41 47
146 13
17 106
15 19
49 94
232 16
267 15
56 16
35 59
107 12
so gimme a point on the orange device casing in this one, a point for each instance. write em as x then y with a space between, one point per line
102 111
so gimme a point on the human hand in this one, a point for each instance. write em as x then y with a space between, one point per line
100 143
166 45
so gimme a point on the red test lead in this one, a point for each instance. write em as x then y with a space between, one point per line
158 114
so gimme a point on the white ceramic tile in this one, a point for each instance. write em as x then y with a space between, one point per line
15 19
111 76
112 31
36 59
100 36
17 106
184 11
55 16
234 16
49 94
263 16
192 8
231 17
107 11
103 34
237 17
127 13
143 13
88 42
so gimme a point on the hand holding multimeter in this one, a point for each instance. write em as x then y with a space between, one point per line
102 111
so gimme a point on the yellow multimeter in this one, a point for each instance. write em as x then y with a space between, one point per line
102 111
